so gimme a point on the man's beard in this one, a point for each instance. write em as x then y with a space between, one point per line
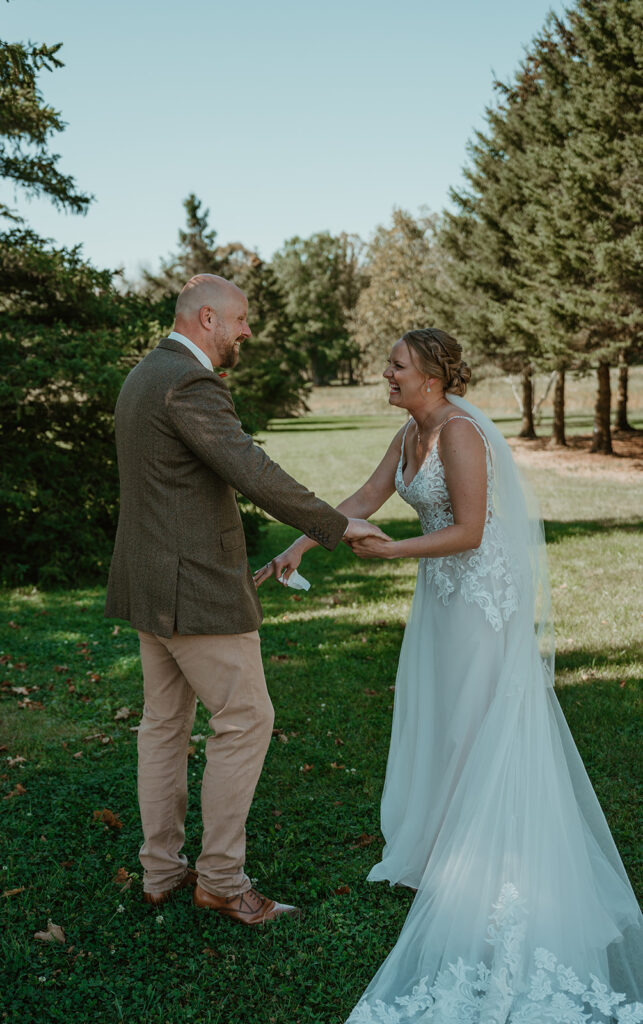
230 355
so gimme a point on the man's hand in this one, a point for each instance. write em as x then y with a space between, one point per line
358 529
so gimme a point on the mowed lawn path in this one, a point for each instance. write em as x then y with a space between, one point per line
70 702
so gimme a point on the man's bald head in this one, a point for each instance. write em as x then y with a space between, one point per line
212 313
205 290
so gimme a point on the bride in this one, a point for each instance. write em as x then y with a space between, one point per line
523 912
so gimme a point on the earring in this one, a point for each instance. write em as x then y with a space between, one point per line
428 387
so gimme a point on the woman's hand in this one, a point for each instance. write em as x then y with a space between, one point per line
374 547
280 566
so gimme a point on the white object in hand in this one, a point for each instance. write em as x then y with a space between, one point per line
295 580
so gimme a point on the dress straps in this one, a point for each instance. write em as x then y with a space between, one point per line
469 420
408 424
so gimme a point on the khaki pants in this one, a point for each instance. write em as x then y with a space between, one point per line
226 674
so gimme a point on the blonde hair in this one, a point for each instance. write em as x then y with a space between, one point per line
439 355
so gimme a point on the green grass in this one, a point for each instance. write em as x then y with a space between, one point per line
330 659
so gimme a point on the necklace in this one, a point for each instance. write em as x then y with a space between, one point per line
421 426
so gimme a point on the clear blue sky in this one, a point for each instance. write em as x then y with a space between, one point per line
284 116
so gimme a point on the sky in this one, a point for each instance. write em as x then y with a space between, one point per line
285 117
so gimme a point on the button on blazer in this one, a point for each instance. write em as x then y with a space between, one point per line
179 561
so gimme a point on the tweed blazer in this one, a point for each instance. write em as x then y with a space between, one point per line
179 561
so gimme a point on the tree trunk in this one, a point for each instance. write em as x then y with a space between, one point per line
620 421
558 439
602 441
527 426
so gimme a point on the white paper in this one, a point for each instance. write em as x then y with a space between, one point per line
295 581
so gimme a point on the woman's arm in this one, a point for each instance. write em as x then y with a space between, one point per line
462 452
363 503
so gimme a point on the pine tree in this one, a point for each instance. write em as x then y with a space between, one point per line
198 253
64 346
26 127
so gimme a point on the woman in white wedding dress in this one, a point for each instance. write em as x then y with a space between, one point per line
523 912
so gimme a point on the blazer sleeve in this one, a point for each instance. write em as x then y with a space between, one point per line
202 413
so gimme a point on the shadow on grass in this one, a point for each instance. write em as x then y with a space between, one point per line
325 423
313 830
556 530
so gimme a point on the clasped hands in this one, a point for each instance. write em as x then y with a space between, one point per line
365 539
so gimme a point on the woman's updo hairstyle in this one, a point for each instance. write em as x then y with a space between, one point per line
439 355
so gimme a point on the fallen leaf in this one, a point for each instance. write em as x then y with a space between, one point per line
31 705
77 756
123 880
116 630
108 817
13 892
122 714
54 933
308 768
342 890
363 840
14 625
370 693
18 791
338 742
334 764
279 657
18 759
61 668
67 864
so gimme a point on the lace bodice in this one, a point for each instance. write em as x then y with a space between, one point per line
485 575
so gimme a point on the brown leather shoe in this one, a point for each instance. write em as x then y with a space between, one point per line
249 908
156 898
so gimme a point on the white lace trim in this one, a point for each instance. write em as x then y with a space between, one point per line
464 994
484 575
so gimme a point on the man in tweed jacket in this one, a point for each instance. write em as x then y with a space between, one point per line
180 576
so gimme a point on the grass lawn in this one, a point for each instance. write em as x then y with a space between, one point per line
70 698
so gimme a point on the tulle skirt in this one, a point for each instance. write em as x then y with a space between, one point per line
524 913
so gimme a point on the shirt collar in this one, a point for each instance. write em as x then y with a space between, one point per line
194 349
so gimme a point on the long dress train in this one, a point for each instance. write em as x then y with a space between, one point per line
524 913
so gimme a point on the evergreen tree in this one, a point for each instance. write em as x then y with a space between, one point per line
63 354
26 127
198 253
544 245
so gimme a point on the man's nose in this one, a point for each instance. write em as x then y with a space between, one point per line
247 333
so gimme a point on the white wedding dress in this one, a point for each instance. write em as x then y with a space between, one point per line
524 913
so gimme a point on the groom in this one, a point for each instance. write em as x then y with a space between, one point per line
180 576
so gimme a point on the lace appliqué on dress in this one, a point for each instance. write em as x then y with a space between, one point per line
484 575
464 994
